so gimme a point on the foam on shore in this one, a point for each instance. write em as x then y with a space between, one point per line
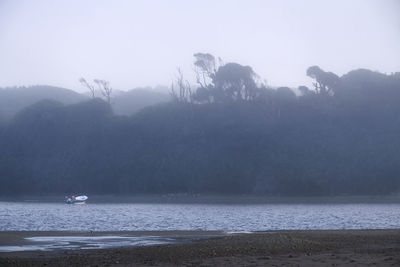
49 241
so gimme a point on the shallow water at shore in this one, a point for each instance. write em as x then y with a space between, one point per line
14 241
51 242
17 216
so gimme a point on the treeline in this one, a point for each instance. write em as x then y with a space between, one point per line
229 134
14 99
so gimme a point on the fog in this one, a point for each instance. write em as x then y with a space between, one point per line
303 102
141 43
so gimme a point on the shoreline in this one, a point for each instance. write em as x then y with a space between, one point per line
26 238
209 199
275 248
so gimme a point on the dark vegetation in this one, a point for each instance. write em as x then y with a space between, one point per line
228 134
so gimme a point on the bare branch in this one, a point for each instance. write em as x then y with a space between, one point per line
87 85
105 89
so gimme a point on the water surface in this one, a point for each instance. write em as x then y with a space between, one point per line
224 217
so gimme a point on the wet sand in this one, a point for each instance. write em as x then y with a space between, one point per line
281 248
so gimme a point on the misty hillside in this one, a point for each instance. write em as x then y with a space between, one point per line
232 135
14 99
128 103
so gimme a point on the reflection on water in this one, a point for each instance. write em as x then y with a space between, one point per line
86 242
145 217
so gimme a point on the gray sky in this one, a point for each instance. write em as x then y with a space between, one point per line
139 43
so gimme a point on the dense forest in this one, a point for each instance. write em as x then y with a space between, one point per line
230 133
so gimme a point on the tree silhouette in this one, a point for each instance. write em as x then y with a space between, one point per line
88 86
236 82
205 68
183 93
105 89
326 82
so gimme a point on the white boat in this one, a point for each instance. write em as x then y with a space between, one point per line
76 199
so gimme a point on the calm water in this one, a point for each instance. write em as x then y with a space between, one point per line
141 217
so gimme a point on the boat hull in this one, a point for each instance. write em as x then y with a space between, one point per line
76 200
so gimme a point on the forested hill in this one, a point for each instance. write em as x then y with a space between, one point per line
13 99
232 135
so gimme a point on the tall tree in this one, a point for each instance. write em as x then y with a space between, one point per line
88 86
205 68
105 89
181 91
237 82
325 82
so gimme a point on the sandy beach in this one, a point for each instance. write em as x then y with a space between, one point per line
279 248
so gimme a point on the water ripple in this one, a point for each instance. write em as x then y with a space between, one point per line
146 217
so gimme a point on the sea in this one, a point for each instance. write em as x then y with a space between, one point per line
38 216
